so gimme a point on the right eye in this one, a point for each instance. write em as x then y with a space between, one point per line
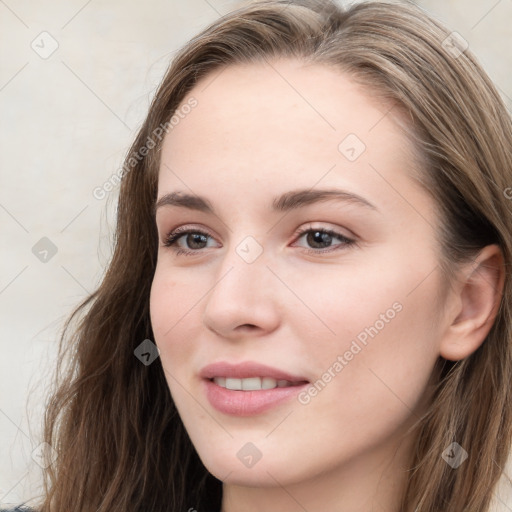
194 240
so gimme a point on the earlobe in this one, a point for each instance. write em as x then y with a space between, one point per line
480 291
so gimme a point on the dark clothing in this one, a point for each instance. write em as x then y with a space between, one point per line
20 508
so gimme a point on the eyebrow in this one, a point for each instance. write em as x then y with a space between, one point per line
288 201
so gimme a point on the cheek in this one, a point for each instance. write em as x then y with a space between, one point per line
176 308
380 336
386 344
340 306
171 309
159 306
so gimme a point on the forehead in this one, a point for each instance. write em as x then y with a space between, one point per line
252 102
284 123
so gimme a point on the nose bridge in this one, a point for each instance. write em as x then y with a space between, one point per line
242 293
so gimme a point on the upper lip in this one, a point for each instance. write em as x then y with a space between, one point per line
246 370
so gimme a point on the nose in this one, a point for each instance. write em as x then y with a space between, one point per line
243 299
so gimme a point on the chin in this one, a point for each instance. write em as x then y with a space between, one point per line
238 469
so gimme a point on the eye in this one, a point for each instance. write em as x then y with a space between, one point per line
187 241
194 239
320 239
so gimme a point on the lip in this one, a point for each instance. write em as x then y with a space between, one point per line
248 403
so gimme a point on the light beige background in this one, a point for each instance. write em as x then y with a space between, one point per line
67 120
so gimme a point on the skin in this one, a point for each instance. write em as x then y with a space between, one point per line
257 132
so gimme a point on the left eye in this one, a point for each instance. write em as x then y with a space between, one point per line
320 239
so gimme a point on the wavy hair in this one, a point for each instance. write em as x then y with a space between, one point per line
121 443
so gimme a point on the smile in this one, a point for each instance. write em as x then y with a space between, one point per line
248 388
253 383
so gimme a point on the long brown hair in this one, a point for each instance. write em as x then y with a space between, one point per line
121 444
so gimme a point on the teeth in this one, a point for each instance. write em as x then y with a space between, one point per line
268 383
251 383
233 383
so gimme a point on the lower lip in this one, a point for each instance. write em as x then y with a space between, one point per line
248 403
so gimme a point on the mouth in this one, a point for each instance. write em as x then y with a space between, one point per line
254 383
248 388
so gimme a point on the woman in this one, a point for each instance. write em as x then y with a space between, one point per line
308 306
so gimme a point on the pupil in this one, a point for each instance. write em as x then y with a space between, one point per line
318 237
196 238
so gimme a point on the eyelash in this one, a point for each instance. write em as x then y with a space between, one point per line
174 236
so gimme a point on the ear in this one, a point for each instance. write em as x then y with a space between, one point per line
478 297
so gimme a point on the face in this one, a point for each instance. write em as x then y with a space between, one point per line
309 263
